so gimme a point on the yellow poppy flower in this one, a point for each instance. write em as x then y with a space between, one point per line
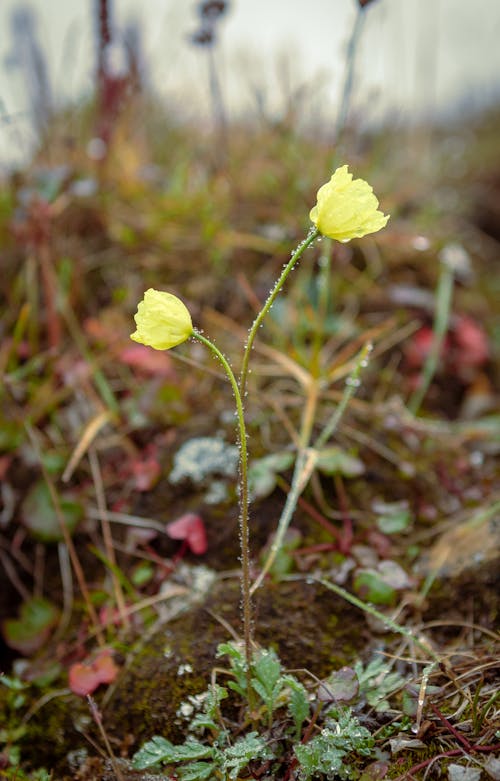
346 208
162 321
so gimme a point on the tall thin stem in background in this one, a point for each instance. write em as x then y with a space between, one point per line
352 48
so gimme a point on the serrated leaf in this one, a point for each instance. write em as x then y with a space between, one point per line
267 669
153 752
160 750
236 757
298 704
238 666
196 771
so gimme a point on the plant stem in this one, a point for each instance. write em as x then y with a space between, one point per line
351 386
312 236
307 456
304 467
402 630
441 320
345 100
243 501
323 287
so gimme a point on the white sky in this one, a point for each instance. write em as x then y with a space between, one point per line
415 55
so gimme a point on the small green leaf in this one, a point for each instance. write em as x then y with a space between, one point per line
29 632
160 750
142 574
263 471
394 517
40 517
370 586
334 460
196 771
298 704
237 756
267 668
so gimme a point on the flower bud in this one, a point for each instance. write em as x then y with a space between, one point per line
162 321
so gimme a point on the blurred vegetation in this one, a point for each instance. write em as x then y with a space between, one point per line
90 424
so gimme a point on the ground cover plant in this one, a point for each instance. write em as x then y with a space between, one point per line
368 398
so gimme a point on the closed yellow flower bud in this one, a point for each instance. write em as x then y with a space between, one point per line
162 321
347 209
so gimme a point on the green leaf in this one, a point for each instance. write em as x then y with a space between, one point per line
334 460
267 681
370 586
12 683
29 632
393 517
263 471
40 517
196 771
298 704
267 668
160 750
238 666
318 756
236 757
152 753
377 682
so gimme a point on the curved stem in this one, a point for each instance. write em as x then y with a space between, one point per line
243 500
313 234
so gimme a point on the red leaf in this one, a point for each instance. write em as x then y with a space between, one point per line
153 362
471 341
84 678
105 666
419 347
191 529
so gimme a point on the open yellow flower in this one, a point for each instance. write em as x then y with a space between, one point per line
162 321
346 208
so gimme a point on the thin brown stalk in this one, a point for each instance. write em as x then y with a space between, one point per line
106 532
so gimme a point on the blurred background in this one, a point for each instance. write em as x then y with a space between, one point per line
413 60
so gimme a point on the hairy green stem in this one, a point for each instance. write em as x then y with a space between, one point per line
312 236
243 501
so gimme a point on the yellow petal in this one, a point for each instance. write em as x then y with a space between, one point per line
346 208
162 321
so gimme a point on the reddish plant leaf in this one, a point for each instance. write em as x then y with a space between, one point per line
191 529
105 666
153 362
419 347
471 343
146 472
84 678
